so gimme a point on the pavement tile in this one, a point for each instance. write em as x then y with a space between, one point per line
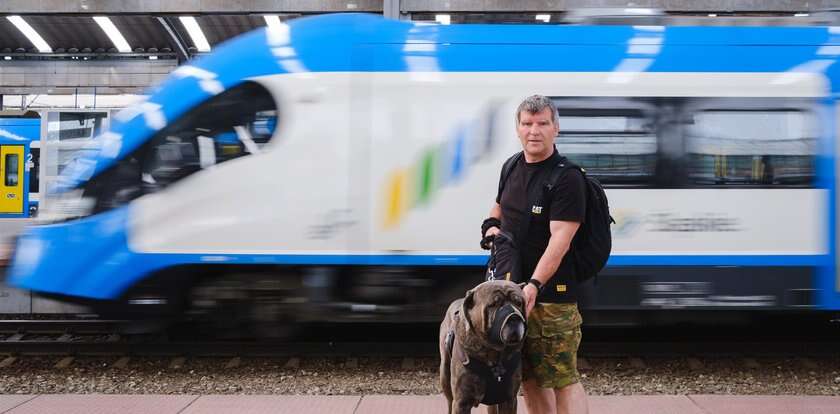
7 402
402 404
275 404
767 404
105 404
643 404
408 404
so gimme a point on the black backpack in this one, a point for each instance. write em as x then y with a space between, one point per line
592 243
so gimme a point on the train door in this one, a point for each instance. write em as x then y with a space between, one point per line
11 175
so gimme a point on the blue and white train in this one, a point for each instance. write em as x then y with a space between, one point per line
20 133
338 168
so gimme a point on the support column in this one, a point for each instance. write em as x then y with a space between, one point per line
391 9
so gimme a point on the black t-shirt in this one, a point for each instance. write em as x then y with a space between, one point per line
568 203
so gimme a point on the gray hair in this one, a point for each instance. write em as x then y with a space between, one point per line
536 104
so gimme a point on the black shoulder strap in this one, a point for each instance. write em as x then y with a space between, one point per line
553 177
561 165
507 168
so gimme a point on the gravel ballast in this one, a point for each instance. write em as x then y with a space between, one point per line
340 376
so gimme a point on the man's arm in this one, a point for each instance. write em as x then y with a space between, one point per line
562 233
495 212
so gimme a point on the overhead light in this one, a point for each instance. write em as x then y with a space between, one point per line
30 34
712 15
801 15
7 58
195 33
153 57
116 37
544 17
272 21
443 18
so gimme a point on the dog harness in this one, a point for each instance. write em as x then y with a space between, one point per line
498 377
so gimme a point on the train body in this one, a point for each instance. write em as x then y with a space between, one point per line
20 133
339 167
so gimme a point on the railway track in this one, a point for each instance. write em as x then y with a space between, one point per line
98 337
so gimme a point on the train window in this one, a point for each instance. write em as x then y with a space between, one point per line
34 176
233 124
11 163
751 147
71 135
616 146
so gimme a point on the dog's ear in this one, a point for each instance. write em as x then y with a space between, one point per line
469 302
522 285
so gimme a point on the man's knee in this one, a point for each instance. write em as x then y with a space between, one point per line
538 399
571 399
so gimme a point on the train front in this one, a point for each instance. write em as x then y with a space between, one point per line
206 113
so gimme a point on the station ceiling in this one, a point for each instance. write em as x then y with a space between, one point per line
67 34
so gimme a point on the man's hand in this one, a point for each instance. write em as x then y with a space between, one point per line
492 231
530 292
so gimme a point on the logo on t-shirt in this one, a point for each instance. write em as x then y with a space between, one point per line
536 209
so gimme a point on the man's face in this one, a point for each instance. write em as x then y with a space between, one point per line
536 133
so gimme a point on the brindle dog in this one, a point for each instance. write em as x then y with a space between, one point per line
481 339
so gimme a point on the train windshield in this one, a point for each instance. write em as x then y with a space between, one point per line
236 123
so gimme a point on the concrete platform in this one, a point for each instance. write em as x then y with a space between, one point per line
373 404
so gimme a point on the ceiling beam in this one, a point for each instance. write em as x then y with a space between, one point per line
180 45
187 6
792 6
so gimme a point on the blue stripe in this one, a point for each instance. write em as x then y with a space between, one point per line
719 260
54 258
480 259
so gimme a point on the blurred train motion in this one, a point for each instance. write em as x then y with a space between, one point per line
35 145
338 168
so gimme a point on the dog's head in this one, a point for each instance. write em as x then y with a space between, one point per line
495 311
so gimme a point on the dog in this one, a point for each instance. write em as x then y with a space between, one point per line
481 339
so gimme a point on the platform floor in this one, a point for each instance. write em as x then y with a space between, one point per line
370 404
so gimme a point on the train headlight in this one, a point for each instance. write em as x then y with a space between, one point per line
28 254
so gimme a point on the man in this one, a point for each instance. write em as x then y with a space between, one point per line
551 382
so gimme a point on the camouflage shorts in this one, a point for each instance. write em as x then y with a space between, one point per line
551 345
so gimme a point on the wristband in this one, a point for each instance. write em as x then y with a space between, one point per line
488 223
536 284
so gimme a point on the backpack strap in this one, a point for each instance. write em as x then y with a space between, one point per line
555 175
557 170
507 168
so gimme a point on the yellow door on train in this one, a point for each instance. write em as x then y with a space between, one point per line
11 175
